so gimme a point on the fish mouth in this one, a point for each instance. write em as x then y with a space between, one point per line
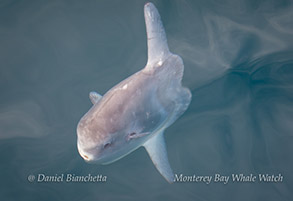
85 157
88 159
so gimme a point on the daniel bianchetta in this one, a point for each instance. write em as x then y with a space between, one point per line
71 178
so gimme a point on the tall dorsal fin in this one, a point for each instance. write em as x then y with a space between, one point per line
156 149
157 42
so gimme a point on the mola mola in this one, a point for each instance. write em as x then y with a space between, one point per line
136 111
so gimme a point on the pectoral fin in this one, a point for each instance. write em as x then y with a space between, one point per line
95 97
157 151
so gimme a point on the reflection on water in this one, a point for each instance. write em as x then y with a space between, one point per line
238 59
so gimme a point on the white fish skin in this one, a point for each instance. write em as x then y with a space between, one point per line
136 111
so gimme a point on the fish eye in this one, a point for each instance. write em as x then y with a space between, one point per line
107 145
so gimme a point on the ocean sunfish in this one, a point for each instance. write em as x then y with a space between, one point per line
136 111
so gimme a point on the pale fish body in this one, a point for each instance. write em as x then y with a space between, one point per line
136 111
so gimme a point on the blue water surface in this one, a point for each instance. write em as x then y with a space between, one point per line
238 58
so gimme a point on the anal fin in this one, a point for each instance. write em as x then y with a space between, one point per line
156 149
